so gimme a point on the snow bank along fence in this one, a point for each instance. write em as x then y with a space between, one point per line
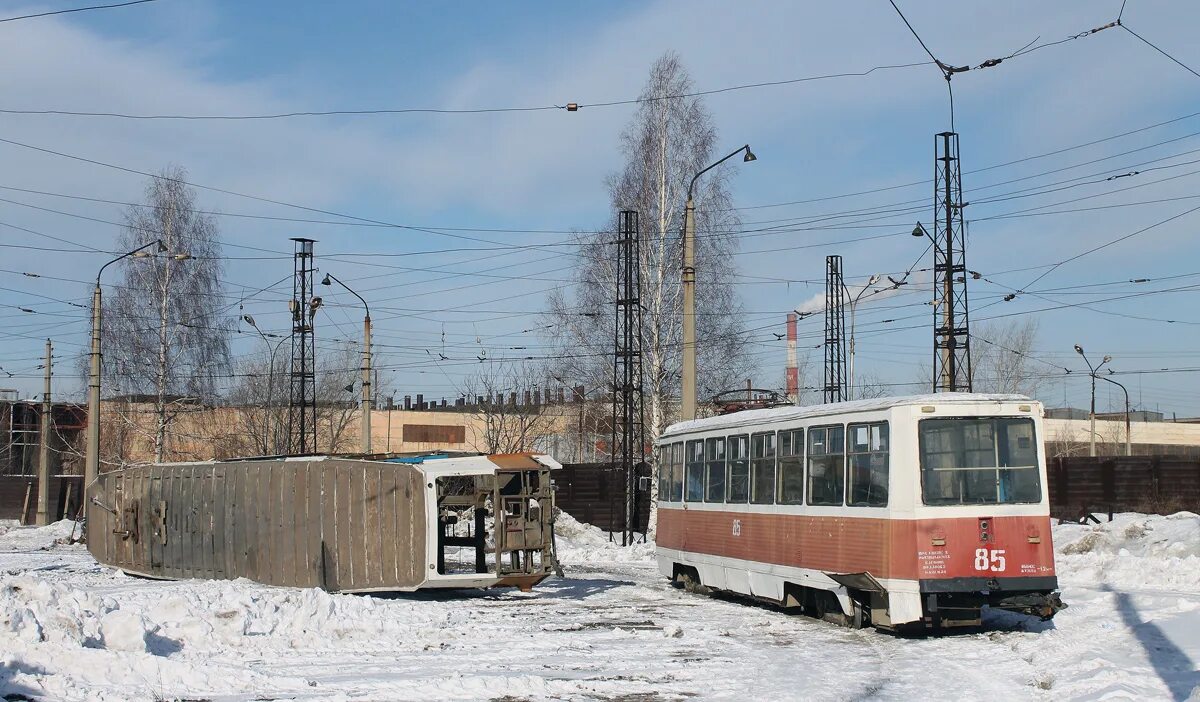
594 493
1150 484
341 524
15 488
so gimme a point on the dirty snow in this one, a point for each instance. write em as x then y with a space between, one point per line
613 629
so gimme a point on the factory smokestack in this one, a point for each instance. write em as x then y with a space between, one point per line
793 371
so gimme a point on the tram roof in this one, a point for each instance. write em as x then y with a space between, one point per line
776 414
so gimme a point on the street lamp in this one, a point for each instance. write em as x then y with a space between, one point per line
91 467
1092 371
269 431
365 433
688 277
1128 440
854 306
920 231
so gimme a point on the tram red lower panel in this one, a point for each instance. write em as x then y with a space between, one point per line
925 549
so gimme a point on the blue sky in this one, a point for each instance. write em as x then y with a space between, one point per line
546 170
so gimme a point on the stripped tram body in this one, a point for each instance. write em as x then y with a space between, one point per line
903 513
343 524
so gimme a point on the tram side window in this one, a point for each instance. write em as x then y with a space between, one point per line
826 465
664 473
677 472
762 469
694 471
714 465
791 467
868 470
738 451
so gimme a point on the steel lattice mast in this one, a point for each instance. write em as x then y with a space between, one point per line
951 328
835 322
628 445
302 406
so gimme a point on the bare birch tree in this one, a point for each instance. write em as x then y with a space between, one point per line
509 423
165 335
1002 358
668 141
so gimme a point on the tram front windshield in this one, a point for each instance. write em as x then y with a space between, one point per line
979 460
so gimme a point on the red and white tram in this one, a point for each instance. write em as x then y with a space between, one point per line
902 513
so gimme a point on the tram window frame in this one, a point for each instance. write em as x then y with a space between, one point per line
714 490
737 465
877 458
972 475
693 470
762 468
676 494
833 464
789 470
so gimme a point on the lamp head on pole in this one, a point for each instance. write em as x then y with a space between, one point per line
1078 349
162 248
326 280
1106 359
749 155
918 231
181 257
249 320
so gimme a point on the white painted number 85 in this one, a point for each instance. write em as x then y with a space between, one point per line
989 560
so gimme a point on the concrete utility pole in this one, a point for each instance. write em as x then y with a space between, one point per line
687 408
43 504
365 432
1092 371
91 466
853 307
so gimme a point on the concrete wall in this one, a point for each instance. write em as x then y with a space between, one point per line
1073 436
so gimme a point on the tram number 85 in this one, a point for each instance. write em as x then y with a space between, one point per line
992 560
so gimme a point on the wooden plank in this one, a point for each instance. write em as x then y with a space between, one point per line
167 556
210 520
315 496
181 509
219 563
417 522
284 558
149 553
267 507
387 525
345 545
358 524
279 542
330 566
234 481
374 559
248 535
296 490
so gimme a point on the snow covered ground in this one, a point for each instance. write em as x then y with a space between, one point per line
612 630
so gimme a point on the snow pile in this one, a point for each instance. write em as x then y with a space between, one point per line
1133 550
583 543
19 538
37 611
